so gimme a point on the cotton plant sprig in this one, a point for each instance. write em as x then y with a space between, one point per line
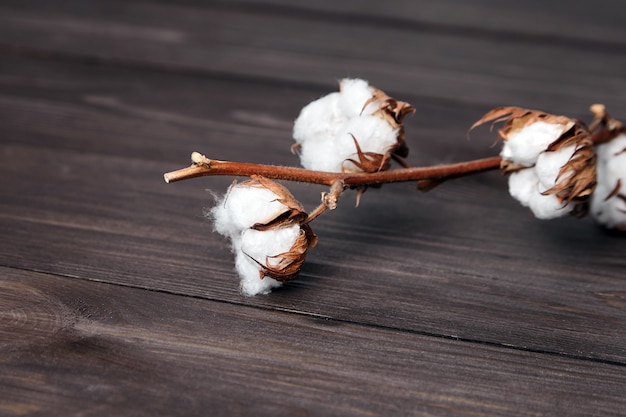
347 139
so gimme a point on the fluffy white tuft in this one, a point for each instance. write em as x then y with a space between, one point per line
528 185
257 248
524 146
266 246
608 207
324 127
319 119
249 273
354 95
243 206
549 165
547 207
525 187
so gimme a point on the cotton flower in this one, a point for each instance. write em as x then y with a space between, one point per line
354 130
608 203
265 225
550 159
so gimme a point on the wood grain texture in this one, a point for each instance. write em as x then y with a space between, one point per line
208 38
79 348
87 200
117 298
529 21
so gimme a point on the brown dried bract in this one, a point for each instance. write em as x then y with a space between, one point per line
393 111
293 211
580 184
517 118
368 161
291 261
604 127
389 108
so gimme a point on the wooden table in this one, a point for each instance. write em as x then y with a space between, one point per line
117 299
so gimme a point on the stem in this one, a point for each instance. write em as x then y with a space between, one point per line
203 166
427 177
439 172
243 169
329 201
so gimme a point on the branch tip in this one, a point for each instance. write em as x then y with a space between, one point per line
199 159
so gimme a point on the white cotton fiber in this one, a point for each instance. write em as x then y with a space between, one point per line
524 146
548 206
319 119
259 248
324 126
549 165
526 187
243 206
264 246
354 94
249 273
611 172
311 150
523 185
371 132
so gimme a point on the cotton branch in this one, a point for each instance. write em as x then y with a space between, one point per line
203 166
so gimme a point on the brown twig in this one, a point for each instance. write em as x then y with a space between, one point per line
203 166
329 201
427 177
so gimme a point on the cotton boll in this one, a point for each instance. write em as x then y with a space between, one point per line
243 207
607 206
549 165
328 153
267 231
537 181
524 146
323 130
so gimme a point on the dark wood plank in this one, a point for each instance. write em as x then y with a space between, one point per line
489 70
70 347
572 25
84 148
